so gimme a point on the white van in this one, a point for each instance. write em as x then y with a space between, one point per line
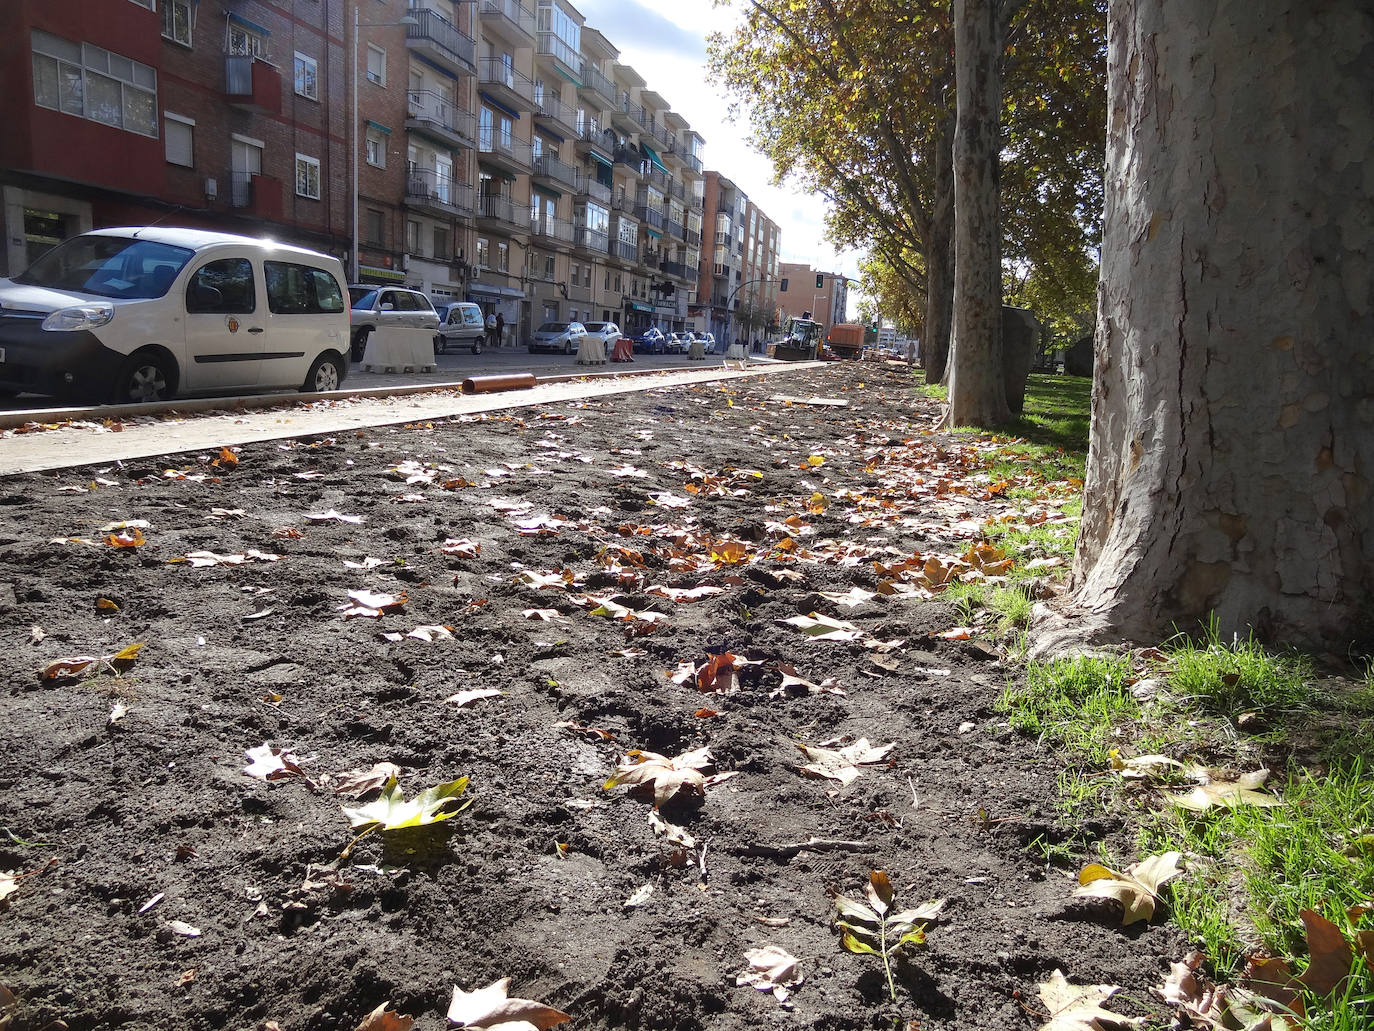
127 315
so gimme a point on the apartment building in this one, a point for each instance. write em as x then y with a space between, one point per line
496 150
129 112
741 264
824 294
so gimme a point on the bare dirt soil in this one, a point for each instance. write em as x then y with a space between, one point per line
124 783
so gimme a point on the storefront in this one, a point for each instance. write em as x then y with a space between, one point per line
638 318
510 304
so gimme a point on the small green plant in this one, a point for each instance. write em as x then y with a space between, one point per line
1077 704
1231 678
872 930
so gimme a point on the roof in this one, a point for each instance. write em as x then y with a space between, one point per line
197 239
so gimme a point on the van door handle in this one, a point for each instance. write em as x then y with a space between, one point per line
255 329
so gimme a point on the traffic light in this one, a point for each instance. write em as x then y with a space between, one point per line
820 280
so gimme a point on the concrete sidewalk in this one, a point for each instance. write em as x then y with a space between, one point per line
82 438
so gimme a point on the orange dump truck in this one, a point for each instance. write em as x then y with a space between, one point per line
846 339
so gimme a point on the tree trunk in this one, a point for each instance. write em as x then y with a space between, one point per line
1233 403
977 391
940 261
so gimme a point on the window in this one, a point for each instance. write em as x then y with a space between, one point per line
300 289
179 133
87 81
307 77
223 287
245 42
144 3
505 132
307 177
176 21
413 237
502 256
376 64
374 148
376 227
440 241
483 252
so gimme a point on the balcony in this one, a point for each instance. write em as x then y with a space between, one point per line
564 57
435 38
666 139
649 216
622 202
435 194
504 152
591 135
509 19
626 252
676 229
693 162
254 194
657 177
546 166
252 84
697 203
635 111
438 116
558 230
587 186
631 158
597 88
508 216
676 189
675 268
592 241
506 83
552 113
693 238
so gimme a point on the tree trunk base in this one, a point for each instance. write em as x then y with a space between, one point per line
1061 630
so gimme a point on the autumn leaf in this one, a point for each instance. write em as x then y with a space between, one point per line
371 603
1137 889
1140 767
771 969
77 664
851 598
463 698
383 1019
201 559
125 524
544 615
793 682
333 517
132 538
843 765
1244 790
359 782
1078 1007
667 776
9 884
674 834
266 764
487 1009
823 628
461 547
392 812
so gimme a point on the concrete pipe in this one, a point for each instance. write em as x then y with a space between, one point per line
491 384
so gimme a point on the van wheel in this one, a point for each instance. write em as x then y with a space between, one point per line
144 378
476 347
438 344
360 343
567 347
325 375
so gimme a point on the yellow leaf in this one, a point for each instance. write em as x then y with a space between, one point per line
105 605
129 653
814 460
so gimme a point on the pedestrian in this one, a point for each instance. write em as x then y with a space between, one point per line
491 329
500 328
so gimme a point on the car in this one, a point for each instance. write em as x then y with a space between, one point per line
460 325
383 307
609 333
650 341
709 339
558 336
144 314
672 344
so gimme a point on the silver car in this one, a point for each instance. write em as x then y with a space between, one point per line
383 306
609 333
460 325
558 336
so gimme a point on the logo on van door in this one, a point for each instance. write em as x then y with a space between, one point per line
232 323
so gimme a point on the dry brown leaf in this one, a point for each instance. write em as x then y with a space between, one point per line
1244 790
383 1019
476 694
844 764
1137 889
823 628
1078 1007
359 782
667 776
771 969
371 604
269 764
488 1008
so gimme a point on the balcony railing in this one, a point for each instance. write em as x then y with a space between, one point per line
590 239
502 209
622 202
597 191
677 229
437 35
693 238
551 46
552 228
674 268
603 87
252 83
549 106
624 251
693 162
493 71
675 189
512 12
550 167
427 187
635 111
439 110
630 156
658 178
664 137
697 203
649 216
492 142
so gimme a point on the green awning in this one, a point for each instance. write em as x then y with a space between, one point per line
653 157
598 158
378 126
654 233
636 306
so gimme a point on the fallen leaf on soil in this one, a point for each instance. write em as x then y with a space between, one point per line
489 1008
792 681
1137 889
461 547
1140 767
126 539
823 628
475 695
676 835
126 524
371 604
771 969
383 1019
392 812
360 782
1217 1006
1331 955
1228 793
77 664
668 776
546 615
1078 1007
958 633
118 711
106 605
260 614
431 633
9 883
267 764
202 559
368 562
183 929
851 598
640 896
186 978
844 764
684 594
333 517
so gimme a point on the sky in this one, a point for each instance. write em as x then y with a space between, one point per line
665 42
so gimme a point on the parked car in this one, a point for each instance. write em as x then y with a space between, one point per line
650 341
709 339
145 314
672 344
387 307
558 336
609 333
460 325
687 339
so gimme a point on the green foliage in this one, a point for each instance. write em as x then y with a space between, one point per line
872 929
1078 705
1231 678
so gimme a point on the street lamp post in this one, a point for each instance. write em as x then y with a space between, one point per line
353 136
730 314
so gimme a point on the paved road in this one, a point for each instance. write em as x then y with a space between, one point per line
452 367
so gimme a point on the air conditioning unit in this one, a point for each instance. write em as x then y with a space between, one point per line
211 189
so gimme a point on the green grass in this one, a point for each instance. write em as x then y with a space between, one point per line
1055 415
1078 706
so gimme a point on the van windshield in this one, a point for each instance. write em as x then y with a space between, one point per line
108 266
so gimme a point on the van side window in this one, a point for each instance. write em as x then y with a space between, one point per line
300 289
223 287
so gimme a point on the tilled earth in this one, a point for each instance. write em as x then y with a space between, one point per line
123 789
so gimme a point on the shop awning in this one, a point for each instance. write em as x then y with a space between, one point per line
387 275
653 157
491 290
636 306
